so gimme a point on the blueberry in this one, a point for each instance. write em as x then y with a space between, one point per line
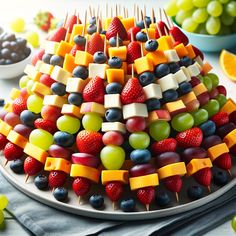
27 51
28 117
113 114
17 166
96 201
93 20
220 178
56 60
9 61
115 62
75 99
13 46
21 42
140 24
170 95
6 53
2 102
153 104
174 67
162 70
163 199
146 78
148 20
79 40
99 57
58 89
128 205
195 192
208 128
61 194
151 45
185 61
15 57
46 58
41 182
113 88
103 32
184 88
112 41
80 72
141 36
6 44
140 156
63 139
92 28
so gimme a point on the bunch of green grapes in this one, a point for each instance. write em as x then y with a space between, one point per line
3 205
215 17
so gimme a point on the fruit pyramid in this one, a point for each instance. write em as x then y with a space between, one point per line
117 102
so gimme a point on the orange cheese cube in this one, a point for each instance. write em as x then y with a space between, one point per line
217 150
175 107
190 50
8 107
165 43
63 48
115 75
157 57
178 168
158 115
115 175
69 63
151 32
229 106
5 128
41 89
88 107
128 22
124 67
54 100
17 139
189 97
143 181
86 172
198 164
107 23
230 139
199 89
206 68
72 110
77 30
181 50
76 85
46 68
83 58
57 164
120 52
143 64
35 152
15 93
153 25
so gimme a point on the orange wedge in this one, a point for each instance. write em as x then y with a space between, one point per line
228 64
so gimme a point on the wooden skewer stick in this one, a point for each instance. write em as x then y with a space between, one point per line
134 11
26 178
106 10
153 16
144 10
119 11
85 22
6 163
145 24
86 44
98 24
132 70
167 19
117 40
90 11
158 29
75 12
111 12
98 9
138 16
116 10
127 13
93 11
147 207
177 197
229 171
105 46
79 200
141 50
160 14
77 18
114 206
166 31
67 34
124 12
64 23
209 189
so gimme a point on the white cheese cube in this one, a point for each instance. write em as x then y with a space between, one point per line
199 60
60 75
168 82
194 69
39 63
54 100
135 109
171 55
180 76
186 72
97 70
153 91
46 69
50 47
76 85
112 101
113 126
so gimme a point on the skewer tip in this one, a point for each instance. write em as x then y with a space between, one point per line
6 163
147 207
79 200
26 178
209 189
114 206
177 197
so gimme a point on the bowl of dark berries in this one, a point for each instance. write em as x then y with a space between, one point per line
15 54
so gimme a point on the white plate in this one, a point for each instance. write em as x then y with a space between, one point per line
108 213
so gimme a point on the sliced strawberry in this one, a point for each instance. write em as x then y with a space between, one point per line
95 43
165 145
58 35
163 28
220 118
3 141
116 27
203 177
19 105
134 30
173 183
224 161
57 179
146 195
70 22
47 125
133 52
12 151
114 190
32 166
178 35
37 56
81 186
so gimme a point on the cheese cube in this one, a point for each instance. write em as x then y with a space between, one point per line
60 75
181 50
217 150
158 115
113 126
51 47
120 52
97 70
194 69
165 43
46 68
143 64
41 89
115 175
144 181
5 128
199 89
69 64
198 164
17 139
77 30
72 110
229 107
83 58
15 93
180 76
199 60
186 72
173 169
175 107
124 67
135 109
39 63
115 75
76 85
171 55
157 57
128 22
167 82
190 50
206 68
31 71
151 32
8 107
230 138
153 91
57 163
54 100
63 48
189 97
88 107
112 101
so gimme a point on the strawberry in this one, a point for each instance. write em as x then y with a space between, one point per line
12 152
163 28
46 80
146 195
95 43
24 93
56 179
47 125
222 90
94 91
178 35
165 145
37 56
114 190
133 92
223 161
190 137
198 52
204 176
133 52
43 20
89 142
116 27
3 141
173 183
70 22
134 30
58 35
81 186
220 118
32 166
76 48
19 105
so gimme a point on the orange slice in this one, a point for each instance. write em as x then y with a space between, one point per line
228 64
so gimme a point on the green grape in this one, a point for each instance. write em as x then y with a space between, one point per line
68 124
200 3
171 8
185 5
212 107
92 122
33 39
227 19
224 1
200 15
182 122
1 217
112 157
231 8
35 103
221 100
3 202
215 8
201 29
18 25
207 82
199 116
41 138
233 223
23 81
29 86
189 25
159 130
213 25
139 140
182 15
214 79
